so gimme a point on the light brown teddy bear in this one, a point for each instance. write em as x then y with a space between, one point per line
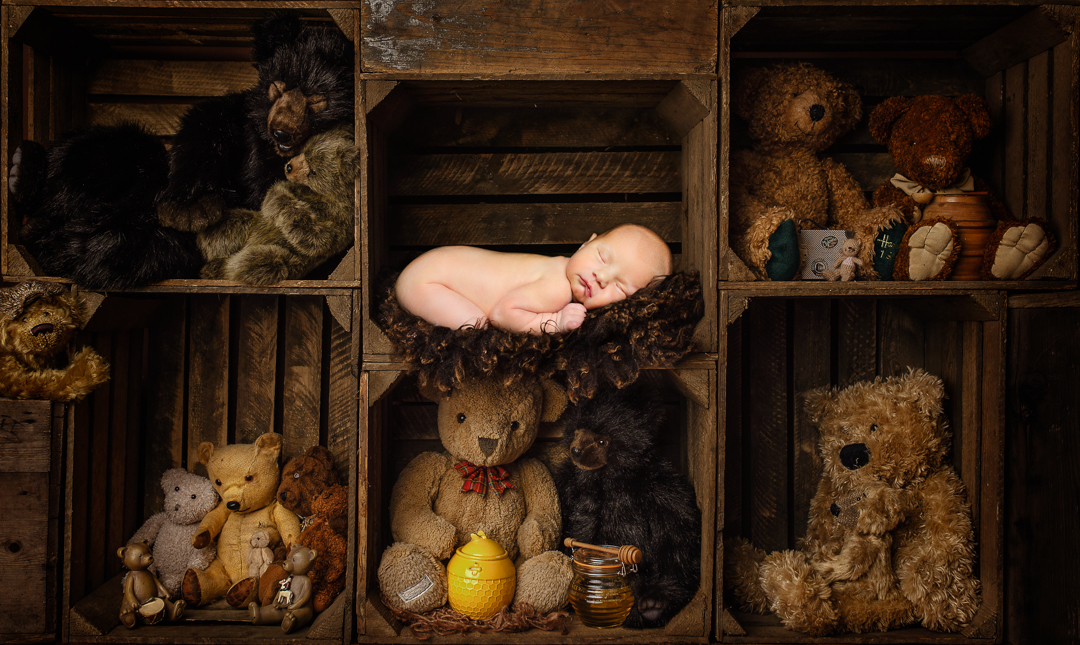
480 483
38 320
793 112
846 268
245 475
142 588
909 556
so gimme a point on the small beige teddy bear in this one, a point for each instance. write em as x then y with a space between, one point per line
260 555
847 265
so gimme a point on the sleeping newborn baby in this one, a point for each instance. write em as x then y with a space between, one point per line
455 286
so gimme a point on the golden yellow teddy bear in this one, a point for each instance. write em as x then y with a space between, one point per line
246 476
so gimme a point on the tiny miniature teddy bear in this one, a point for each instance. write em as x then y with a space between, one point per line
292 602
188 498
910 556
38 321
481 482
245 476
847 265
616 489
794 112
260 555
930 139
141 586
304 221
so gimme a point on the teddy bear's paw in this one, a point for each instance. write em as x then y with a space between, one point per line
243 593
261 264
742 563
651 608
412 579
544 582
1023 247
205 212
931 250
784 258
797 594
191 589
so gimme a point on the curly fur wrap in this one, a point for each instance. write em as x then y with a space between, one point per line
650 328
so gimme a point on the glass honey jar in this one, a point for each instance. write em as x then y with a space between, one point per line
600 593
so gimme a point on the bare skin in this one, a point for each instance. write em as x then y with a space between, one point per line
455 286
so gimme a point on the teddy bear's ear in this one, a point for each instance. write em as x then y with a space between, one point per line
554 401
430 392
321 455
885 115
206 451
171 478
76 307
849 105
978 113
744 88
925 389
818 402
120 552
270 443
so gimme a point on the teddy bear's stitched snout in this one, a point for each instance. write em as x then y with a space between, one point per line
854 456
487 446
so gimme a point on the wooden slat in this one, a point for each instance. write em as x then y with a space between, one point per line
341 414
469 126
78 501
161 119
1015 175
870 169
208 376
857 346
1065 159
768 441
1039 114
137 435
1027 37
991 535
302 389
24 537
902 339
686 105
98 555
121 441
971 454
543 223
164 449
701 444
811 367
535 173
171 78
25 436
256 367
638 36
698 183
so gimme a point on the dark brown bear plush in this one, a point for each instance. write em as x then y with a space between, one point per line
326 529
930 139
793 112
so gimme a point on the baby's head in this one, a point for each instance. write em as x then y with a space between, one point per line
615 264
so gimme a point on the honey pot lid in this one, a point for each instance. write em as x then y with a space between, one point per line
482 547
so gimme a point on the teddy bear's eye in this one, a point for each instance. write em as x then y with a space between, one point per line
296 475
514 425
461 417
248 478
177 488
873 427
194 496
217 482
47 313
601 442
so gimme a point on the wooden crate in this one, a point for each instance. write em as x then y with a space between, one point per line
638 37
31 437
1022 59
188 369
779 347
400 424
535 166
99 62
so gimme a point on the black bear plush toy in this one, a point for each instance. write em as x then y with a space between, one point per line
616 489
109 208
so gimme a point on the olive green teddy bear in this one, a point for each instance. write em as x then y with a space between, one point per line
245 476
304 220
479 483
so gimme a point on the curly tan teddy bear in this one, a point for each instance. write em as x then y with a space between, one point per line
38 321
930 139
793 112
907 555
479 483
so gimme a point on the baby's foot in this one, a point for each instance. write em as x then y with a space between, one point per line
27 170
13 174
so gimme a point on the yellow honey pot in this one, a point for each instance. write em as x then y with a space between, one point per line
481 578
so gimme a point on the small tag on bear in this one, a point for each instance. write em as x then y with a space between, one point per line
417 590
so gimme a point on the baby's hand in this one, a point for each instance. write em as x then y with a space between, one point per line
570 317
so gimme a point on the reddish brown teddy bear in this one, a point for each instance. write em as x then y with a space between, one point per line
326 534
303 478
930 139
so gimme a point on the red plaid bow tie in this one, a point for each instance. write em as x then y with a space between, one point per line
478 478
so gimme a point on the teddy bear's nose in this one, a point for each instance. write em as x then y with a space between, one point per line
233 506
935 161
487 446
281 136
854 456
835 510
176 508
817 112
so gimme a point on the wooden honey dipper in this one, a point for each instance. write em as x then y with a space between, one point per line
628 554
